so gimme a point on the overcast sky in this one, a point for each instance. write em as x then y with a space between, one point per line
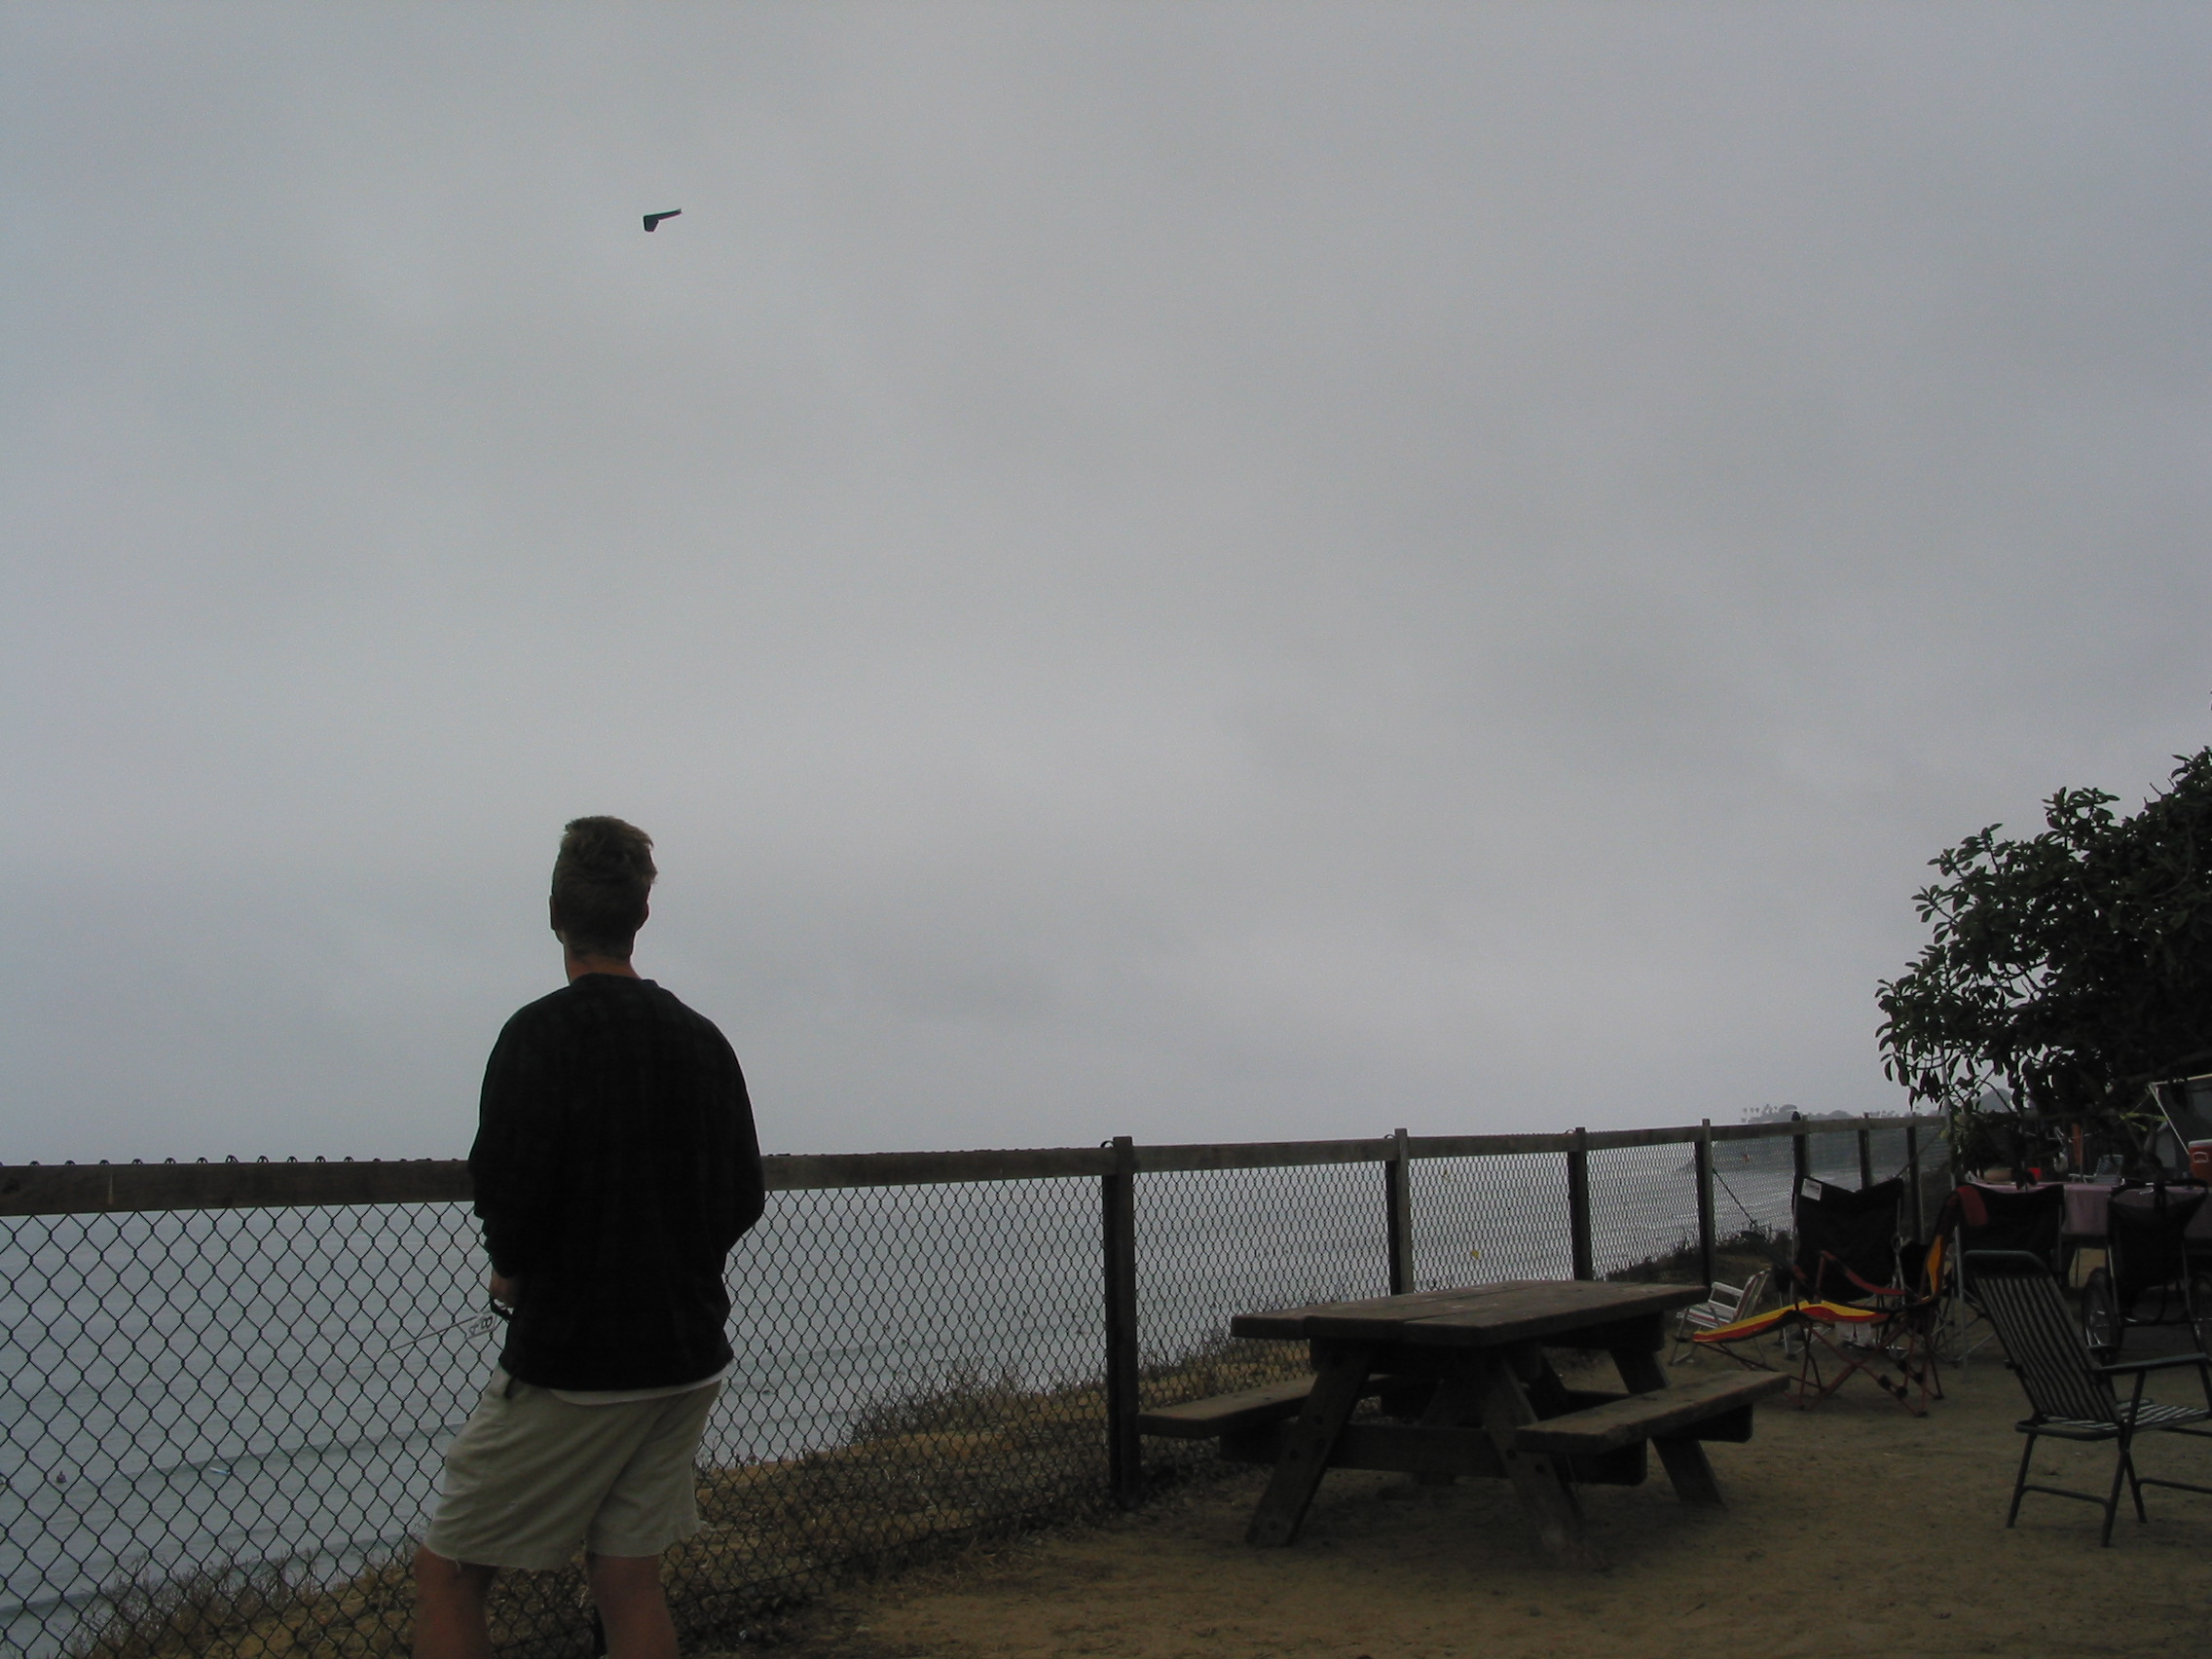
1197 571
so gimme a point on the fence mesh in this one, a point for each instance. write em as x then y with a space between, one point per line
1480 1219
1750 1187
1218 1242
229 1422
215 1408
918 1365
220 1430
1643 1204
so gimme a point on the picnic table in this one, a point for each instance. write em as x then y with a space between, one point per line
1468 1372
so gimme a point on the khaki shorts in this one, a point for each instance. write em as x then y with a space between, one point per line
531 1477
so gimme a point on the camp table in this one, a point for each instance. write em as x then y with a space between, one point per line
1469 1368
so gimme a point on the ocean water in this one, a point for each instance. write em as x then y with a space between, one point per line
199 1391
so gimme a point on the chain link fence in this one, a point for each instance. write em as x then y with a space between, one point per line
1213 1244
208 1408
225 1390
1479 1219
1643 1204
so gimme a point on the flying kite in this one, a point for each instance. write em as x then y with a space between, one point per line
653 220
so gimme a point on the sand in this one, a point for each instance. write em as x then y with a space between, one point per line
1852 1527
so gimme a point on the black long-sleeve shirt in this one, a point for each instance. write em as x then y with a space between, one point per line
615 1163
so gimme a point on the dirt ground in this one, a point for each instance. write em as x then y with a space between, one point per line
1852 1527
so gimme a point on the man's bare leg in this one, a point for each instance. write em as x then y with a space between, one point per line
449 1607
631 1607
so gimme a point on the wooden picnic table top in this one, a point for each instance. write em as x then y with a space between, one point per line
1485 1315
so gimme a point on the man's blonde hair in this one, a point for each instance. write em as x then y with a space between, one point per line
600 877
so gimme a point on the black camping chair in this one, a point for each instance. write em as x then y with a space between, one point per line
2148 1261
1847 1255
1847 1240
2069 1391
2000 1218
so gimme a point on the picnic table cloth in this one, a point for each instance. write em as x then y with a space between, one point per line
2088 1202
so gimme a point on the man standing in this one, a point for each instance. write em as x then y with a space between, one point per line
615 1163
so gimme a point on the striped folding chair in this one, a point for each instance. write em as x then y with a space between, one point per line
2070 1392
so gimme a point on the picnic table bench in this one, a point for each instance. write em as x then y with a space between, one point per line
1465 1373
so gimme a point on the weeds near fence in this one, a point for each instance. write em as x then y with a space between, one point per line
971 1456
1735 1259
147 1619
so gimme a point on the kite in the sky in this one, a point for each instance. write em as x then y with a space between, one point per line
653 220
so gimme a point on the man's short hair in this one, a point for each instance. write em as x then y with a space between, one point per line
601 878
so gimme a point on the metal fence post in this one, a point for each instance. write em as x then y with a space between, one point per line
1578 1204
1705 1231
1912 1176
1800 1149
1399 1195
1866 1159
1118 1203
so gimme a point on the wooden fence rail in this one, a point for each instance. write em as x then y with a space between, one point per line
95 1189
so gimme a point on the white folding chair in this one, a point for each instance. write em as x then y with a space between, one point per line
1724 1304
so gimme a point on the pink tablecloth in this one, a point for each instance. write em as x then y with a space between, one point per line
2086 1202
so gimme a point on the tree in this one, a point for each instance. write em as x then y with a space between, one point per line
2070 969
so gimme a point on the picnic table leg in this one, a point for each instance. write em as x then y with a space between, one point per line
1337 1385
1457 1403
1539 1478
1684 1461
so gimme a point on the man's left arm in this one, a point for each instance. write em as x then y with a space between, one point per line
511 1165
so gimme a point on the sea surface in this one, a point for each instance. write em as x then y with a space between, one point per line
199 1391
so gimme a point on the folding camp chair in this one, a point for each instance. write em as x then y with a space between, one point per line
1847 1257
1725 1305
2147 1260
1847 1239
2069 1391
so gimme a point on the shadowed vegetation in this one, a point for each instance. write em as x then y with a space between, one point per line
971 1456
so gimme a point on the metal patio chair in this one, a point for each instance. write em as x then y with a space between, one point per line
2148 1259
2069 1391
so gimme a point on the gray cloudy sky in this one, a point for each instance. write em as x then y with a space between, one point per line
1199 571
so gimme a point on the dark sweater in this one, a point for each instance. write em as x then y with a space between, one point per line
615 1163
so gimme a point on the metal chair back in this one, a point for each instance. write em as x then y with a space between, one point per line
2045 1346
1995 1218
2146 1232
